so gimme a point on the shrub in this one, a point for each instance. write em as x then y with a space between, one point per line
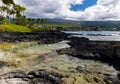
13 28
3 20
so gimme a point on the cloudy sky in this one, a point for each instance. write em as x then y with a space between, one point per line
72 9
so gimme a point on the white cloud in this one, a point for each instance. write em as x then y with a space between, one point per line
103 10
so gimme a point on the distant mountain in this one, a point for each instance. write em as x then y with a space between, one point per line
101 24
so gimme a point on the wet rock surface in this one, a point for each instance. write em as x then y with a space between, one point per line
75 61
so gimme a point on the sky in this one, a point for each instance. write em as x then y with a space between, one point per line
80 10
86 4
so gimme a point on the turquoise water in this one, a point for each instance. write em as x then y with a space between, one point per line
97 35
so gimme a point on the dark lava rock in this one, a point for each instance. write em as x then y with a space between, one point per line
3 64
78 39
45 37
40 76
104 51
88 50
118 76
14 74
47 77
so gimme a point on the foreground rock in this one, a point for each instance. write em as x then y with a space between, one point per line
64 70
33 77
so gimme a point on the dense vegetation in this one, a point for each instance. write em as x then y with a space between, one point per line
9 10
13 20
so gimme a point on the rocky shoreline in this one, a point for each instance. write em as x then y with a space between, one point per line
105 51
74 64
41 37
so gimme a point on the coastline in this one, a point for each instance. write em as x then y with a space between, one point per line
59 58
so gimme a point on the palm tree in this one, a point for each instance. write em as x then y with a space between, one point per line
44 22
8 2
6 7
2 9
18 9
38 21
10 8
12 12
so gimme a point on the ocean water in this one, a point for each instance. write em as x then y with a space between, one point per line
97 35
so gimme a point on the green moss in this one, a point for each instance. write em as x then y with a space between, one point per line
6 46
14 47
13 28
21 55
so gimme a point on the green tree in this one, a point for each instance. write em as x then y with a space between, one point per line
8 2
44 22
2 9
38 21
18 10
6 7
11 8
3 20
21 21
12 12
30 22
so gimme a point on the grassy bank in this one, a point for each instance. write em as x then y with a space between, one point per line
13 28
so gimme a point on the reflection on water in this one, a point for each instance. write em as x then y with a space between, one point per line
97 35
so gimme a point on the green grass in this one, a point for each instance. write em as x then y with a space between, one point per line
13 28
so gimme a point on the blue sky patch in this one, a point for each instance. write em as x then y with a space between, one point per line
86 4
